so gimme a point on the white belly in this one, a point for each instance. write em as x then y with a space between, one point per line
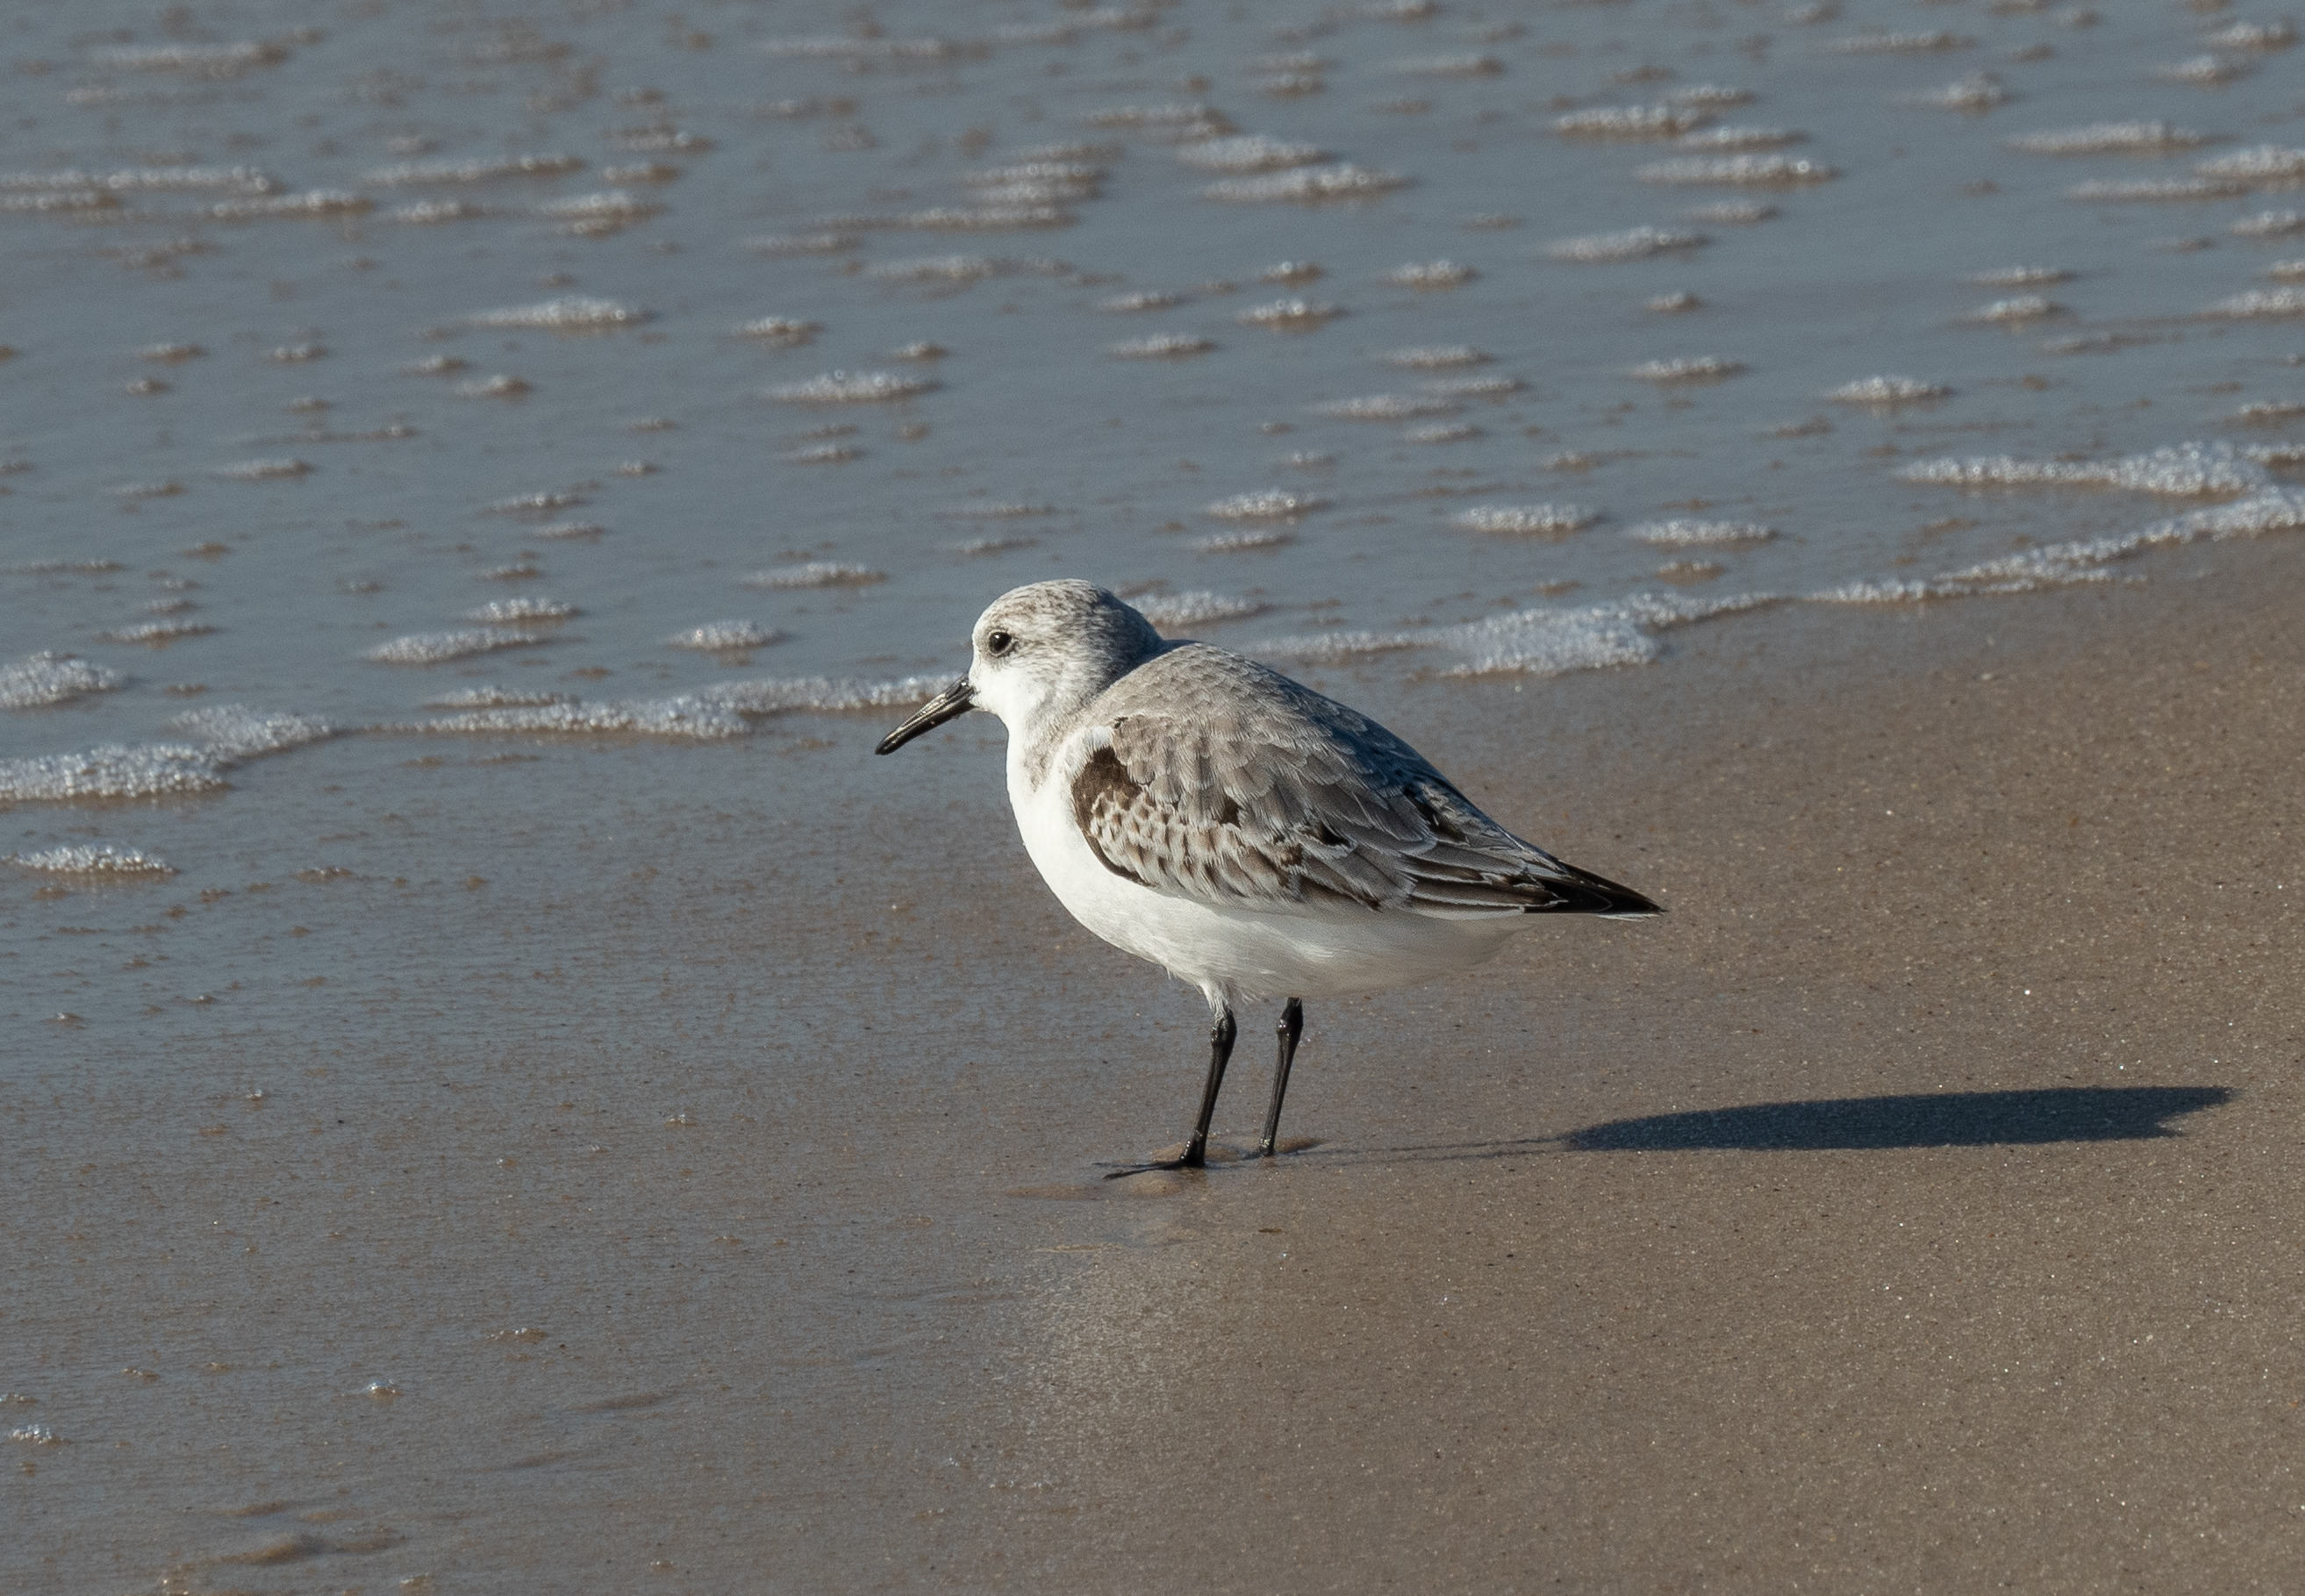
1242 953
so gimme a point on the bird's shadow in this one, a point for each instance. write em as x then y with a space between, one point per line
1925 1119
1851 1124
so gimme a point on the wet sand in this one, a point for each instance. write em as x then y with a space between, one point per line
1912 1209
543 1109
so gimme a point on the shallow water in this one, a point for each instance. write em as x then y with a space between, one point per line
662 412
448 462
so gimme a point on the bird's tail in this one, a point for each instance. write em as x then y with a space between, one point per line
1581 892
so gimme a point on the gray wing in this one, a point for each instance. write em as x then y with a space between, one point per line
1210 778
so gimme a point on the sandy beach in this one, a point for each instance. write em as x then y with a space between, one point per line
1910 1211
504 1094
1911 1208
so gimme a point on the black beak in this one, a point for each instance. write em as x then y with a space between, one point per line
955 701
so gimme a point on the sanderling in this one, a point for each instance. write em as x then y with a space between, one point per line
1236 827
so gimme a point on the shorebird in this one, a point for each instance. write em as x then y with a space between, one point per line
1242 831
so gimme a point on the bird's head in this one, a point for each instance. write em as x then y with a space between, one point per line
1040 652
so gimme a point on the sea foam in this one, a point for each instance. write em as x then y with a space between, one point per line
1744 171
1696 369
1251 152
112 770
715 637
228 734
411 173
52 678
1888 390
816 573
1387 407
1168 611
437 648
1343 181
1633 243
1270 504
2260 302
2109 138
852 387
569 313
1542 642
99 859
1528 521
1629 121
1160 346
1683 534
2181 471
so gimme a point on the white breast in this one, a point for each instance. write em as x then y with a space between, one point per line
1227 952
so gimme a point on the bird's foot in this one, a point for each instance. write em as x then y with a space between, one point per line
1179 1157
1182 1156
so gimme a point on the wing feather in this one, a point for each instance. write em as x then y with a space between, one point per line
1208 776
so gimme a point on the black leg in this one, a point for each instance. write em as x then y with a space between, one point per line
1196 1150
1220 1038
1292 1026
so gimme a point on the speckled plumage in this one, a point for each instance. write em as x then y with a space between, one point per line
1220 780
1232 826
1236 827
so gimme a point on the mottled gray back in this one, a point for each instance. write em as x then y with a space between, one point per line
1226 782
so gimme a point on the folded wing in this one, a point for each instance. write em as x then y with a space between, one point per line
1208 776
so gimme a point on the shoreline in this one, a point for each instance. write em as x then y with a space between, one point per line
1764 1243
1857 1223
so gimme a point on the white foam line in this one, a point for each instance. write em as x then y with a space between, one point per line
572 312
713 713
53 678
2083 560
1200 608
2180 471
228 733
1542 642
1556 640
100 858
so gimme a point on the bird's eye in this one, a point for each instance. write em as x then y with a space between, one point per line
998 642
